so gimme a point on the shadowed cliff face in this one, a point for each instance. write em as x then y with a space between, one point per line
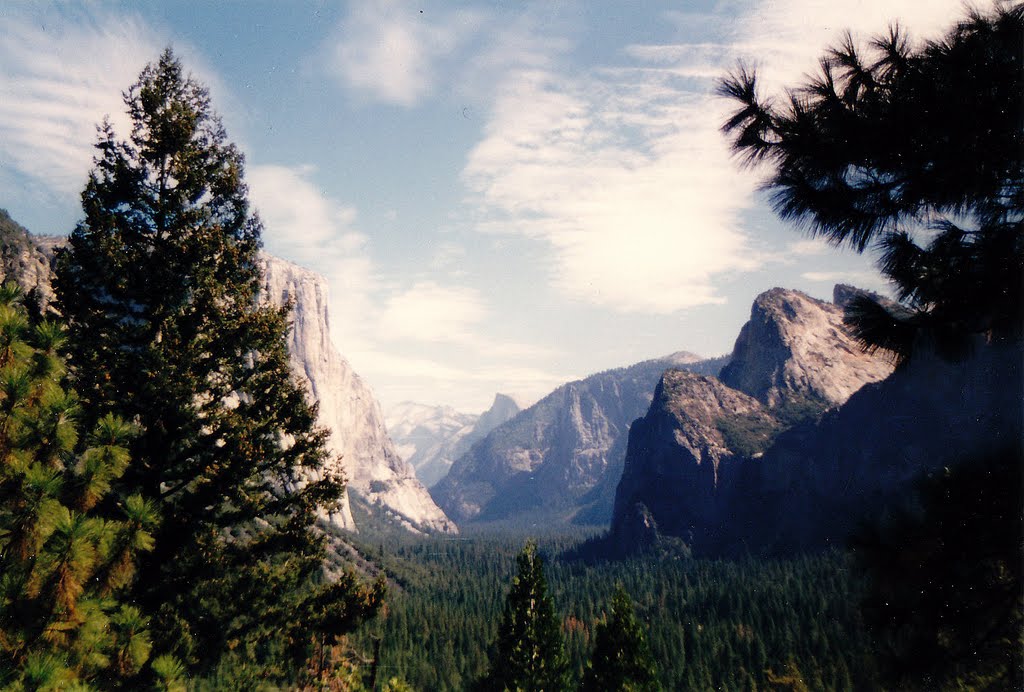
679 463
560 458
361 446
728 477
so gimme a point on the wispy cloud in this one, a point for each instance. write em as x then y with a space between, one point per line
64 71
622 171
785 38
389 50
429 312
51 98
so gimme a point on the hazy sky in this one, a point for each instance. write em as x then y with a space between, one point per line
504 196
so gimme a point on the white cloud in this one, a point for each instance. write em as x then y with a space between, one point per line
467 387
624 175
432 313
622 171
389 50
810 247
52 98
786 37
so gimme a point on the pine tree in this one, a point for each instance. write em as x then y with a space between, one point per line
919 151
64 570
621 660
160 286
529 654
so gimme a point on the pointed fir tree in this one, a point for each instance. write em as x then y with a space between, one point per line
917 150
621 661
529 653
160 286
64 570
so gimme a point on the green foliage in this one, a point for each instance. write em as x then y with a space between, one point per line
747 434
64 570
947 582
893 144
750 433
621 660
160 285
529 653
709 624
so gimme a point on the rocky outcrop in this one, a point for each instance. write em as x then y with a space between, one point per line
431 438
25 259
730 472
348 409
561 458
795 350
818 483
679 461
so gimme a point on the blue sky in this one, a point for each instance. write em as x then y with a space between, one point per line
504 196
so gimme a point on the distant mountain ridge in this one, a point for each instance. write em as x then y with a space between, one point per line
561 457
431 438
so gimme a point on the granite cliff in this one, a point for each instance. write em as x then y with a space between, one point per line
359 440
559 459
796 349
25 258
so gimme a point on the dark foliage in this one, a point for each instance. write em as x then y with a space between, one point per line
709 624
946 588
529 653
918 150
621 661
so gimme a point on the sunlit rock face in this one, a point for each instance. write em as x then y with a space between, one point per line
25 259
348 409
431 438
559 460
795 348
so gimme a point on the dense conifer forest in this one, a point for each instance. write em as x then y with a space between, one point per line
710 624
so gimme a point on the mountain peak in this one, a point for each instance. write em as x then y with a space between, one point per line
796 348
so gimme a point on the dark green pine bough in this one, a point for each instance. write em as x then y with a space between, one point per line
160 287
65 570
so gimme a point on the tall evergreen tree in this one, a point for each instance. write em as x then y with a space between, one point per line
621 661
529 654
918 150
160 286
